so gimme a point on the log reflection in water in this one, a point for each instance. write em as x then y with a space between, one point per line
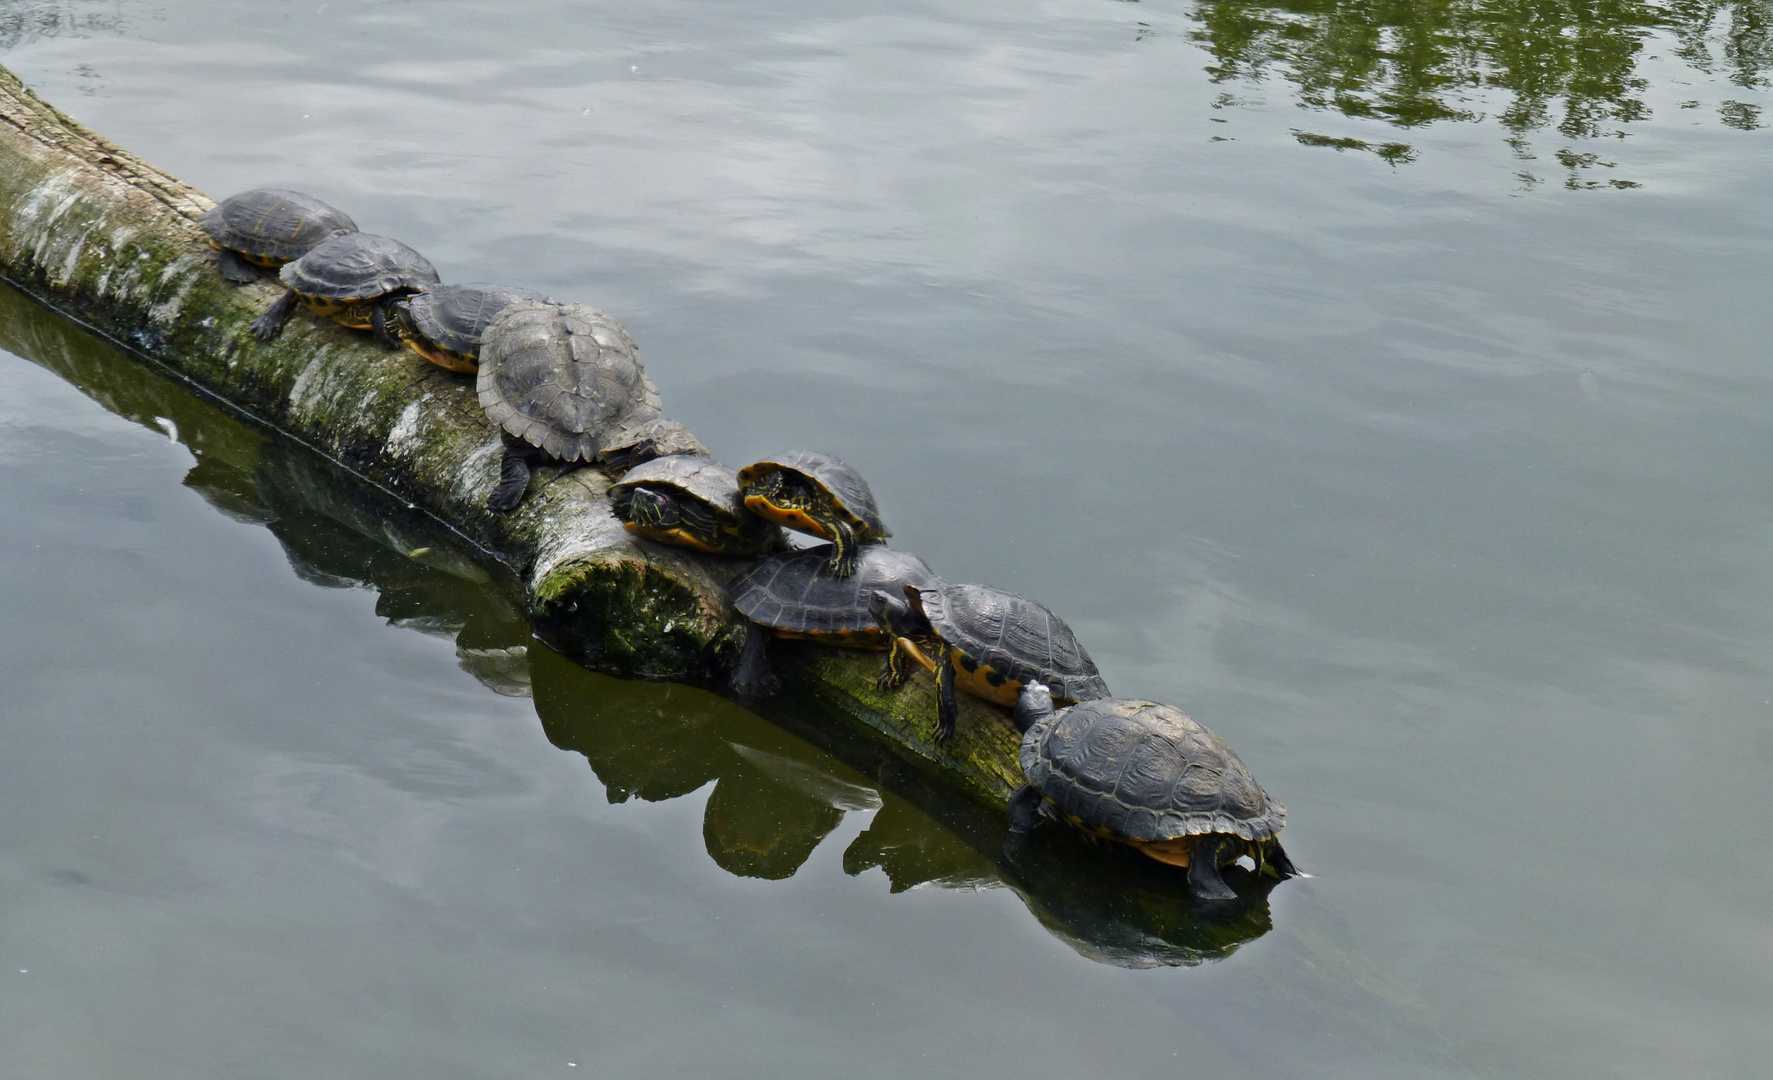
780 785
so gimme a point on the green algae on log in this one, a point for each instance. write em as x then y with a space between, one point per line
101 236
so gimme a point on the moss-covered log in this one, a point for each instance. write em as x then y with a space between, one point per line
103 237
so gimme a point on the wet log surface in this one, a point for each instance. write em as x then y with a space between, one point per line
104 238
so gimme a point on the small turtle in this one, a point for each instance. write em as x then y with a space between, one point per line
349 279
647 440
693 501
795 595
1149 776
560 379
267 227
444 324
985 641
818 494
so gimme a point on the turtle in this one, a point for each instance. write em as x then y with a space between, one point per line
694 501
645 440
1149 776
985 641
350 279
264 228
818 494
444 324
795 595
559 379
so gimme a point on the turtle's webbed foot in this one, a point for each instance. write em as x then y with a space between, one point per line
270 322
1203 870
842 564
513 482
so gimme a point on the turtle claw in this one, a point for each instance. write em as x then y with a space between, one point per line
270 322
513 482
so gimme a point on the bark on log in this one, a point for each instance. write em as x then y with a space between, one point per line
105 238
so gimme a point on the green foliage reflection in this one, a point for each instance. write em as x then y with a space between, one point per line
1572 66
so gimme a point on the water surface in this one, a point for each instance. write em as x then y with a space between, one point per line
1308 359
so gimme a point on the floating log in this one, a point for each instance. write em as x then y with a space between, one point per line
104 238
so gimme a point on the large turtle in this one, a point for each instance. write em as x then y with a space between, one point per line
444 324
349 279
560 379
693 501
1146 775
818 494
795 595
264 228
985 641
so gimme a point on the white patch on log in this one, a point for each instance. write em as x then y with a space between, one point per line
299 389
405 429
167 310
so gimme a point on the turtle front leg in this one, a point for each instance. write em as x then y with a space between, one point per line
378 322
843 541
1203 867
233 267
513 482
1024 809
947 707
899 666
754 677
270 322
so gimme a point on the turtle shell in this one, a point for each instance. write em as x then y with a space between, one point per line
702 477
359 266
562 377
272 225
844 484
455 316
1138 770
1015 637
795 591
649 439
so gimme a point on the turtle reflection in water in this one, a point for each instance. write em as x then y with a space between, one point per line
774 798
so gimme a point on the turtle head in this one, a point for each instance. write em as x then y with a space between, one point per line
895 616
1033 705
651 509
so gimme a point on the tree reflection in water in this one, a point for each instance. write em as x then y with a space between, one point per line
1572 67
780 787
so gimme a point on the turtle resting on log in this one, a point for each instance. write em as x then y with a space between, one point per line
92 231
264 228
1149 776
444 324
816 494
350 279
560 379
982 640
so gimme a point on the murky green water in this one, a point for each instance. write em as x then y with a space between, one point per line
1383 384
